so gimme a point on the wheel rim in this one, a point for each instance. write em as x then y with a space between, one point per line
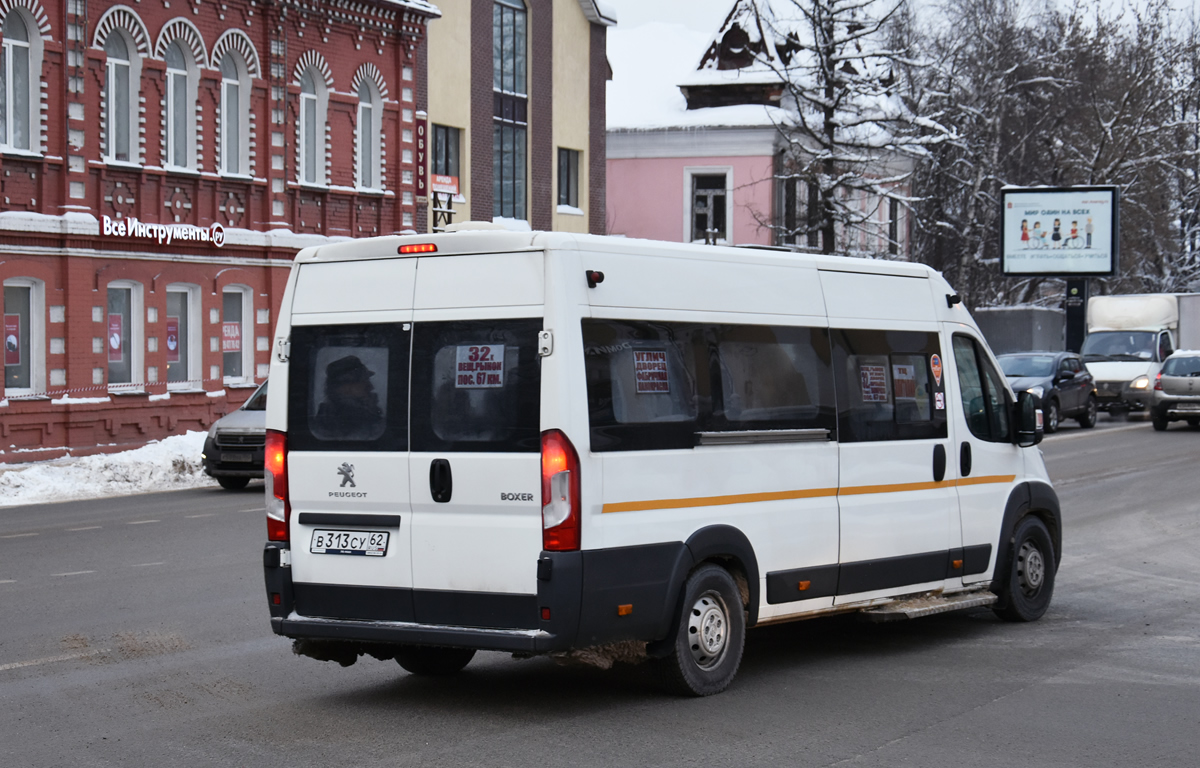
1031 568
708 630
1053 417
1091 410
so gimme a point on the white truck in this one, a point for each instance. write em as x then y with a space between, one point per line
1128 339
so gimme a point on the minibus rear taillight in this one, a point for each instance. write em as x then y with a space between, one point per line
560 493
278 507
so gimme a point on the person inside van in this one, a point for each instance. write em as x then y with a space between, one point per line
350 410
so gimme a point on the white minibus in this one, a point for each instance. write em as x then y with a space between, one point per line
546 442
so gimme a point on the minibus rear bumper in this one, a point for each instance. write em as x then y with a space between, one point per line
409 633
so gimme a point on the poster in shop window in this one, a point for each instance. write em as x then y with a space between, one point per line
231 336
479 366
12 339
116 334
874 383
172 339
650 371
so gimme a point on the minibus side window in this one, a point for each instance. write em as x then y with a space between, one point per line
348 388
773 378
643 389
985 405
476 386
890 385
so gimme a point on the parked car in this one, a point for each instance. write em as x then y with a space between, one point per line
1060 379
236 442
1177 391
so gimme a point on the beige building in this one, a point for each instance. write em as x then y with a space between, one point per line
515 113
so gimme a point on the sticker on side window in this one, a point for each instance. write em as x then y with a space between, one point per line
479 366
904 380
874 383
650 371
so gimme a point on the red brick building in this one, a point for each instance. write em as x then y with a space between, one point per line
160 165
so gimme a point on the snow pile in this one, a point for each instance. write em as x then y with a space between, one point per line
167 465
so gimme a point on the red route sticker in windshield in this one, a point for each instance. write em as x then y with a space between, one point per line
650 371
479 366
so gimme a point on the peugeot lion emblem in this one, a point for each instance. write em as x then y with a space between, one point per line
347 473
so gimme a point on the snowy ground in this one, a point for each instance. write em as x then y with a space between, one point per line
166 465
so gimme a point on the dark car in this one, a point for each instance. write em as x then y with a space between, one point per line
1060 379
236 443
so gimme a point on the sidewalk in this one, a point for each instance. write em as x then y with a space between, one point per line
170 464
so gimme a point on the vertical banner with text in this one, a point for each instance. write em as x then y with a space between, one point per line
422 155
12 339
172 339
116 332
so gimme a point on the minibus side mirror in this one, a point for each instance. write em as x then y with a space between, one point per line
1029 430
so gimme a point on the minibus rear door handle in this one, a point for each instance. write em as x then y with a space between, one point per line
441 481
964 459
939 463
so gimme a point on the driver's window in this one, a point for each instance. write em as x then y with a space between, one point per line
984 402
1164 346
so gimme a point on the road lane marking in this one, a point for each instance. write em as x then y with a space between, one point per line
17 535
259 509
206 514
144 565
86 528
142 522
1073 435
72 573
49 660
8 581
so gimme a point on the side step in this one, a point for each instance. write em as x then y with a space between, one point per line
928 606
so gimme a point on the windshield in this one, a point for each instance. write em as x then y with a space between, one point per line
1120 345
1182 366
1027 365
257 401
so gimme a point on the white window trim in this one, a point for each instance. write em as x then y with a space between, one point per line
243 119
195 340
707 170
374 134
33 49
135 92
247 377
37 336
137 337
191 79
321 103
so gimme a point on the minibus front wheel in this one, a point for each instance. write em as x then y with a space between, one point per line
1029 582
710 636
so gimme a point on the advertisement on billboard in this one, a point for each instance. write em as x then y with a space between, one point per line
1059 231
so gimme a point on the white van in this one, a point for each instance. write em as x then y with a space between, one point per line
545 442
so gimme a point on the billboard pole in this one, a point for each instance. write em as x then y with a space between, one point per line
1076 306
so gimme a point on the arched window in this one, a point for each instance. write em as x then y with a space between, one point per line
232 114
179 111
118 100
368 136
15 71
309 135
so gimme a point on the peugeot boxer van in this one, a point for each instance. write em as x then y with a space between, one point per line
546 442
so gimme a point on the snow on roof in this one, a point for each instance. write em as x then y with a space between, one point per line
420 6
649 62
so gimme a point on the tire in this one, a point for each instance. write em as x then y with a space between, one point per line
710 635
1050 418
1088 419
1029 583
233 483
430 661
1160 422
1193 423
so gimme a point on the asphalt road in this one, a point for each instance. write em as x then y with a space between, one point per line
134 632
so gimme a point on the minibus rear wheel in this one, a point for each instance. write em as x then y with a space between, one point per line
710 635
431 661
1029 583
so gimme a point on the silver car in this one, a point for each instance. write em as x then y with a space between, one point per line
233 452
1177 391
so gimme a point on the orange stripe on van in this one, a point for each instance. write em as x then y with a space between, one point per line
715 501
814 493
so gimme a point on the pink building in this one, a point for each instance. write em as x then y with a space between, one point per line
694 147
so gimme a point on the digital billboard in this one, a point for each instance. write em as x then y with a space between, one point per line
1059 231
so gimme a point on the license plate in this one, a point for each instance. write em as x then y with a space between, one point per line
1188 407
237 458
369 543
